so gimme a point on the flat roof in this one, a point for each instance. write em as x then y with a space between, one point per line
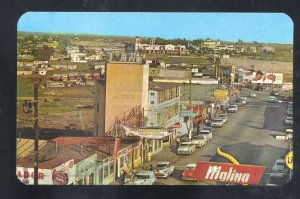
160 86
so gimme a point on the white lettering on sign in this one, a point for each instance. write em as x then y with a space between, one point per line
216 173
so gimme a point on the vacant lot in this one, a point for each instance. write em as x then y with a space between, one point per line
270 66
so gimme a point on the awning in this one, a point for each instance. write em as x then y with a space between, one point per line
149 133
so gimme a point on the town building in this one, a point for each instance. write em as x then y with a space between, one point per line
123 90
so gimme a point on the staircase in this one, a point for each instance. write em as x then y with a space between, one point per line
133 119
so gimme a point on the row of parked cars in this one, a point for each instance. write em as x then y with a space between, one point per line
163 169
289 118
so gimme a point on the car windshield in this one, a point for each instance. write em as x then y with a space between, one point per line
289 118
280 164
162 166
204 132
218 120
142 176
190 168
232 106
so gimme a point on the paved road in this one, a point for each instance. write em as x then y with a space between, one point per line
248 136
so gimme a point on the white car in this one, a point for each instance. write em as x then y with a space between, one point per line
273 99
217 122
186 148
233 108
163 169
224 116
206 134
288 120
288 134
142 178
289 111
280 167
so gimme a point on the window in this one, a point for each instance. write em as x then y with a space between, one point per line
151 102
152 93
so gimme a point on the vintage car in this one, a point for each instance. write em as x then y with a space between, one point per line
280 167
206 134
187 173
233 108
186 148
163 169
252 95
289 134
288 120
217 122
273 99
224 116
142 178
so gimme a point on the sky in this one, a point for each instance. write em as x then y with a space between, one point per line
260 27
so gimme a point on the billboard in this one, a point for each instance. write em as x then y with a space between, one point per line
228 173
26 176
267 78
220 94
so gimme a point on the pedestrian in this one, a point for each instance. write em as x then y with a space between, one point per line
133 173
123 176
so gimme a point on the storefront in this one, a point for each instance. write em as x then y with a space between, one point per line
85 171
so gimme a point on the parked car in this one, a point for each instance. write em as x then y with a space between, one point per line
290 111
280 167
274 93
290 104
224 116
195 140
211 129
186 148
277 179
233 108
206 134
163 169
142 178
288 120
288 134
273 99
252 95
217 122
187 173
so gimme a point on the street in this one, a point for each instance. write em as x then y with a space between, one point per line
248 136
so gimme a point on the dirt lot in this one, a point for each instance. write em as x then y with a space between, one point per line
276 66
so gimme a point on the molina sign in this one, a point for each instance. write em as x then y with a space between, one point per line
228 173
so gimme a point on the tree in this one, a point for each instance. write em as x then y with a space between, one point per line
42 53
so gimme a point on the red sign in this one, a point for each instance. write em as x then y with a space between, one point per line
228 173
175 126
60 178
116 147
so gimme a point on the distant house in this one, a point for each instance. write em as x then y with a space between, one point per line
267 49
72 49
211 44
78 57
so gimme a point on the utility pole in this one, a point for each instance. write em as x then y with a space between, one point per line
36 131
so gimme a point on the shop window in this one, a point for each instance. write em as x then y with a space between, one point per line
111 167
105 174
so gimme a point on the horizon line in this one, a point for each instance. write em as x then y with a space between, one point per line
112 35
